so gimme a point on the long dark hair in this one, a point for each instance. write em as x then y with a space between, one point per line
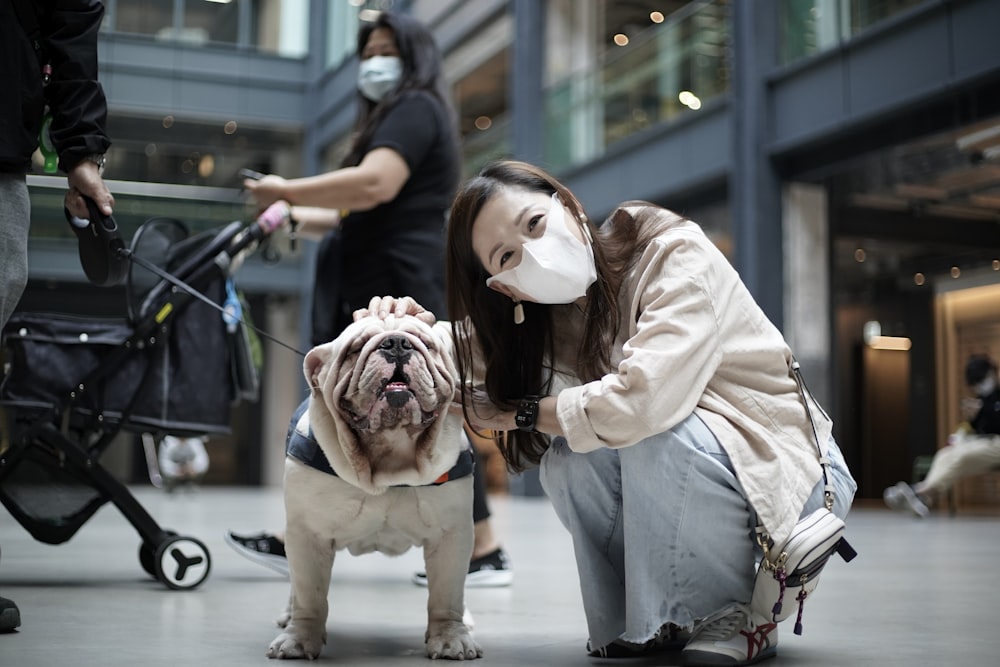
517 356
422 70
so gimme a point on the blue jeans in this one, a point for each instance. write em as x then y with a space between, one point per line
662 531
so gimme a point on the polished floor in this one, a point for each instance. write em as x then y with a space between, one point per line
921 592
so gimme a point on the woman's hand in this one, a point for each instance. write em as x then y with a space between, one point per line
267 190
384 306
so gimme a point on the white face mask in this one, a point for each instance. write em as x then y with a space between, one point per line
985 386
555 268
378 75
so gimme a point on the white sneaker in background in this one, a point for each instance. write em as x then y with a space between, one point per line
902 497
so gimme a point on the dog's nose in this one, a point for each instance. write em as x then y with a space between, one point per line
396 349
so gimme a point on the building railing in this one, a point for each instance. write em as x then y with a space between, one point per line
199 208
808 27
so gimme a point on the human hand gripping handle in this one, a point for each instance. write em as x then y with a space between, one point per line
264 189
102 251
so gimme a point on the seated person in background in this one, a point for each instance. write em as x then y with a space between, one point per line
972 449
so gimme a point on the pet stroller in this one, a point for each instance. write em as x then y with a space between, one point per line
172 366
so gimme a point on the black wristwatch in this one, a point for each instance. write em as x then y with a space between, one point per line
527 413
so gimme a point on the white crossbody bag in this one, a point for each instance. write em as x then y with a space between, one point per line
792 570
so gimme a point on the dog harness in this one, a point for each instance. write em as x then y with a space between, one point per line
304 448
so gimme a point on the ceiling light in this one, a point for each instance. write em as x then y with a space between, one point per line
689 99
890 343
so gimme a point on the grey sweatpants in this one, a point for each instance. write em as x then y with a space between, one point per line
15 217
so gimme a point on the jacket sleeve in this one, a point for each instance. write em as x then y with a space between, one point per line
671 354
75 97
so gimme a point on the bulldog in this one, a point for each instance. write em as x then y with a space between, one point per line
375 462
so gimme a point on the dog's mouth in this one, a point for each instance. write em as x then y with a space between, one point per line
391 405
395 390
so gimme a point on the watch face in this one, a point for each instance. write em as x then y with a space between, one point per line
527 414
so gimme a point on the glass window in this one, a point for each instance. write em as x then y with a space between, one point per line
272 26
481 104
144 17
641 68
341 32
211 21
170 150
281 26
812 26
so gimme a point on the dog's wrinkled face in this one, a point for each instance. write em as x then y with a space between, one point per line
380 391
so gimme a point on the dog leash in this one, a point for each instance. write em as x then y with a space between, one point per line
177 282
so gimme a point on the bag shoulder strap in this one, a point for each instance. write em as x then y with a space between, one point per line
824 462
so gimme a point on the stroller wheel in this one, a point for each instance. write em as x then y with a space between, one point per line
181 562
147 556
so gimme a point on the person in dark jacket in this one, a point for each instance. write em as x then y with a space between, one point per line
65 34
48 57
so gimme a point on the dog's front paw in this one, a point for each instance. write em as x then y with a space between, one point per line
452 640
291 645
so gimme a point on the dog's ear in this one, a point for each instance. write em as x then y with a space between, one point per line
313 364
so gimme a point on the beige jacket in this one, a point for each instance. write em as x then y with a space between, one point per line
692 338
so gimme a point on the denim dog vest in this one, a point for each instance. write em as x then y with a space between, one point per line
305 449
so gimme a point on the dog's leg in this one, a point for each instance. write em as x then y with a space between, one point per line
447 562
310 559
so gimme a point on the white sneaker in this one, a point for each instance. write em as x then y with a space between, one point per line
901 496
733 636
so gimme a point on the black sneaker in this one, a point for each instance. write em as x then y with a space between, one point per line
490 571
263 548
10 617
669 638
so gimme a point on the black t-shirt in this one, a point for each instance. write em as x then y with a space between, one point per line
396 248
987 420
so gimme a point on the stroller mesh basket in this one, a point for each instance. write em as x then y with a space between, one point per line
48 498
